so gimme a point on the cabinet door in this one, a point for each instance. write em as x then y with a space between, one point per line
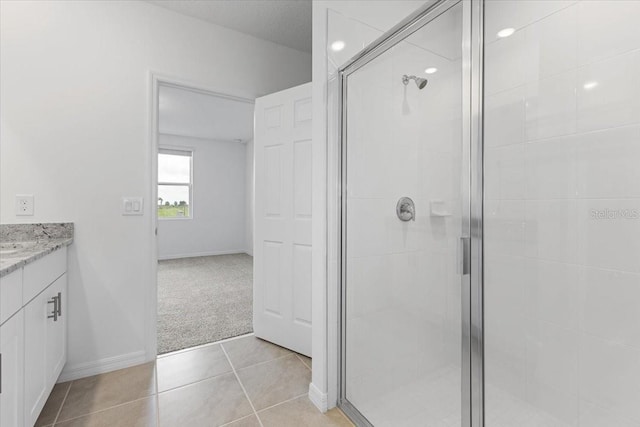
57 332
36 330
12 350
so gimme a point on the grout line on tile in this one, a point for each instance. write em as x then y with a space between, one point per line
188 349
239 419
262 363
303 362
106 409
283 402
195 382
242 386
55 420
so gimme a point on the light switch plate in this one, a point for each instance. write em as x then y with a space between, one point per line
24 204
132 206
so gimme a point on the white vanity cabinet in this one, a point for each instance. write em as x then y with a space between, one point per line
12 347
33 338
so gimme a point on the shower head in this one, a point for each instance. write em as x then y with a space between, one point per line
420 82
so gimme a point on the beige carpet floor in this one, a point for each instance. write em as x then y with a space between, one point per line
204 299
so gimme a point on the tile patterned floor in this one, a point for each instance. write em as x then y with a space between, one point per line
244 382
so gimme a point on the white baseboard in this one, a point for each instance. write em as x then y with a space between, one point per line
318 398
87 369
197 254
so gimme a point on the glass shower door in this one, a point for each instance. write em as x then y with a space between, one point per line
403 216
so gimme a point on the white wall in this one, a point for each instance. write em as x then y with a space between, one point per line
75 107
249 198
217 225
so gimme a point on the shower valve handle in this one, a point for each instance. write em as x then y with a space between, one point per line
405 209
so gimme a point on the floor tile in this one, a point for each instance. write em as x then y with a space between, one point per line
54 402
273 382
250 350
250 421
306 360
190 366
99 392
301 412
141 413
212 402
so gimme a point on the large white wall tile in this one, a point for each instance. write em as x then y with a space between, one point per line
552 230
551 44
504 340
609 305
505 62
609 93
504 288
575 64
551 106
500 14
607 163
594 415
552 357
505 172
504 118
607 28
369 289
609 234
504 224
367 221
550 292
551 168
419 283
609 375
552 378
438 175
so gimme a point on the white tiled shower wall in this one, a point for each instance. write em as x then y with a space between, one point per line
562 212
403 291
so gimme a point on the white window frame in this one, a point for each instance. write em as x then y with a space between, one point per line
178 151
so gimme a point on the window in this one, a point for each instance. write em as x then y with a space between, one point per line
174 183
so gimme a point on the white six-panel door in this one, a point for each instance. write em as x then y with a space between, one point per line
282 234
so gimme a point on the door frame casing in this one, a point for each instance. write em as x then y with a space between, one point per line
472 386
157 79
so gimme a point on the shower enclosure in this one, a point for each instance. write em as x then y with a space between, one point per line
490 217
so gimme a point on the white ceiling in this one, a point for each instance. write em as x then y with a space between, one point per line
286 22
201 115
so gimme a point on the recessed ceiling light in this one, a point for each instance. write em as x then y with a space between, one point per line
431 70
506 32
590 85
337 45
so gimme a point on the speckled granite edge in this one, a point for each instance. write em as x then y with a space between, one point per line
45 238
37 232
34 253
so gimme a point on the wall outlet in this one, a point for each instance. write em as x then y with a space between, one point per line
24 204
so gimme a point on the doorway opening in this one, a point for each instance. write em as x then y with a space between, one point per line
204 195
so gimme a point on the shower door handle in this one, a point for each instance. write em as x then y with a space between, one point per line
464 255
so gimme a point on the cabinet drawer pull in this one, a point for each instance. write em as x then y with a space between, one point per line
54 313
59 304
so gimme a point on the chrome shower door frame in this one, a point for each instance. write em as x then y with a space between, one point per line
472 386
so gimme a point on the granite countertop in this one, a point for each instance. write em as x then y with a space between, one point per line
21 244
